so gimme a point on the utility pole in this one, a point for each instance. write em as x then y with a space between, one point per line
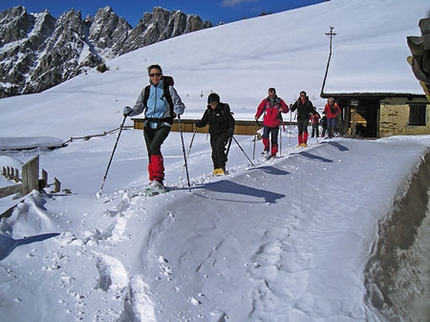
330 34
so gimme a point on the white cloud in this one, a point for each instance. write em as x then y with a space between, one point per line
232 3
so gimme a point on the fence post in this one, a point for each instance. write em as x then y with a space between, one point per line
57 185
30 175
44 182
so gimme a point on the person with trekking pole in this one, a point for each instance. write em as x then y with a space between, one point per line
160 103
304 109
272 106
221 128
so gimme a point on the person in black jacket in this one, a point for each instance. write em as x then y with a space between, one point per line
304 109
221 129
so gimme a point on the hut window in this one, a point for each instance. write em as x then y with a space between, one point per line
417 114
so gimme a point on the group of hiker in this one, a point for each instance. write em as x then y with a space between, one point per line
161 104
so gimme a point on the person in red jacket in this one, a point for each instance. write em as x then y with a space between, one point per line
272 107
315 121
331 110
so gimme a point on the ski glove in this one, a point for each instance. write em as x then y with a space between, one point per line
127 111
230 132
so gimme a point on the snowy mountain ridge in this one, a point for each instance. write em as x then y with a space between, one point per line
38 51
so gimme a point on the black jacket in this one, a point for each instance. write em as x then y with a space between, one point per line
305 110
219 120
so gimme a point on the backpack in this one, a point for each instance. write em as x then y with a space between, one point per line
223 112
277 101
167 81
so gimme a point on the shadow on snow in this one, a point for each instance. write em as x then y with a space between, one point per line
8 244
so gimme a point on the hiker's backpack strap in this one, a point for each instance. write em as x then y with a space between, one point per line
168 97
146 96
230 120
168 81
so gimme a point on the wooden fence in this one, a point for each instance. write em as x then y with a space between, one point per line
29 179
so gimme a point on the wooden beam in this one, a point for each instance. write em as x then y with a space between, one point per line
30 175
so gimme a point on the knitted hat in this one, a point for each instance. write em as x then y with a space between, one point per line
213 97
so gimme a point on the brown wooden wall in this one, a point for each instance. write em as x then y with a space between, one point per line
241 127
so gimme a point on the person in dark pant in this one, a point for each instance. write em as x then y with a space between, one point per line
272 106
161 104
304 109
221 128
332 111
315 121
324 125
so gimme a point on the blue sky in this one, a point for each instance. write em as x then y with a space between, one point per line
132 10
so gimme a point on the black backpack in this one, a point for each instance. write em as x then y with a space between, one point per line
167 81
231 120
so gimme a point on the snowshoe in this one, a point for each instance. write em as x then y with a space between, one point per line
155 188
266 155
219 172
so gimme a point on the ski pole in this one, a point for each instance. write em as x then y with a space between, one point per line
280 135
191 143
255 139
243 151
280 141
185 155
289 136
228 147
113 152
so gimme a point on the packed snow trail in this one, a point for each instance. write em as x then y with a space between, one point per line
207 255
262 244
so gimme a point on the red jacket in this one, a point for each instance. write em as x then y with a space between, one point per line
332 111
271 110
315 118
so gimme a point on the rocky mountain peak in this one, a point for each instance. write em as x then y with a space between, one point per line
38 51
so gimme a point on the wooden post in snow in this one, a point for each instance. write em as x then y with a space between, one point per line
30 175
57 185
44 181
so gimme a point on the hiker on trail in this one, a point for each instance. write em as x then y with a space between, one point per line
161 104
272 107
324 125
304 109
331 110
315 121
221 128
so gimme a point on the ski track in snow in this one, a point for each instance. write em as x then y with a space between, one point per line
273 270
276 270
263 273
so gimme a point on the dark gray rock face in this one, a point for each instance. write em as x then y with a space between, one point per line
38 51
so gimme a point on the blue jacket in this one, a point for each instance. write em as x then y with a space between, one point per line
157 105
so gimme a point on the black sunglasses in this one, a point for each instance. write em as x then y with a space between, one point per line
153 75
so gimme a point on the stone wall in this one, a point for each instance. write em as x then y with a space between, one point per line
394 117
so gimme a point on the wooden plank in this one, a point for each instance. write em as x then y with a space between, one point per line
241 127
30 175
10 190
44 181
